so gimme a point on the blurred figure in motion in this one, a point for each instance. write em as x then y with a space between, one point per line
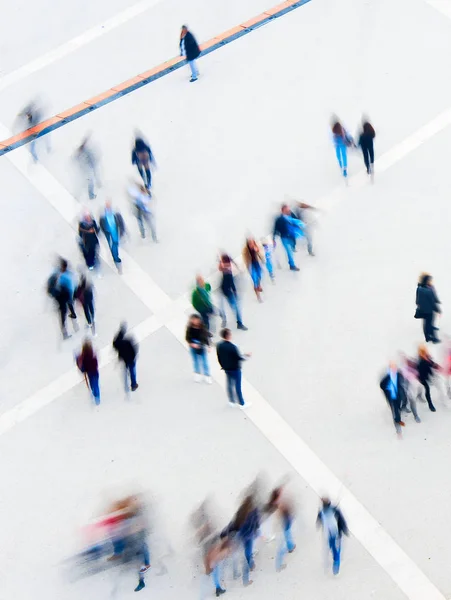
366 143
331 519
141 198
31 116
268 252
88 240
393 386
113 227
342 141
61 287
253 258
202 301
302 212
425 368
408 368
427 307
229 291
127 351
189 48
199 344
84 293
230 359
283 228
143 158
89 366
87 161
281 505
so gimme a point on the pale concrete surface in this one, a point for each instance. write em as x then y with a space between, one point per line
228 149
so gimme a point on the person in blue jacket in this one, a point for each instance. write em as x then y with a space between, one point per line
342 141
190 49
284 228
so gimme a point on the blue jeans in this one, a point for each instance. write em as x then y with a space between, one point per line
335 548
288 544
342 157
232 299
256 274
234 381
130 369
288 244
114 247
147 218
194 69
200 360
216 576
248 545
94 385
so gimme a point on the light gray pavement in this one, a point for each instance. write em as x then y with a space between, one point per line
229 148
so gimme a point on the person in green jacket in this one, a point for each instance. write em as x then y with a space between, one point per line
201 300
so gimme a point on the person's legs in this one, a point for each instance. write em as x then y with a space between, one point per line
205 316
248 563
139 218
338 155
234 305
335 547
308 239
91 189
33 150
152 227
344 160
126 374
132 370
148 177
288 245
62 309
427 328
237 381
194 71
230 386
366 158
115 252
371 157
427 390
72 313
288 535
196 362
204 360
142 172
94 385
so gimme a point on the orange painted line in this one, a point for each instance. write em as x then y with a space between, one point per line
230 32
276 9
100 97
172 61
151 72
254 20
127 84
210 43
70 111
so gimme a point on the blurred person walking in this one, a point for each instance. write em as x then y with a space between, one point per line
425 368
87 161
202 301
268 252
189 48
230 359
113 227
229 291
283 229
89 366
427 307
32 115
88 239
253 257
143 158
302 212
85 295
141 198
199 344
366 143
408 368
331 519
342 141
61 287
279 504
393 386
127 351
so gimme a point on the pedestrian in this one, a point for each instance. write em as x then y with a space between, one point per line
284 229
366 143
342 141
393 386
88 239
202 301
88 364
32 115
408 369
253 257
229 291
217 551
61 287
144 213
127 351
302 211
84 293
199 344
113 227
143 158
268 252
189 48
87 161
427 307
331 519
279 504
425 368
230 359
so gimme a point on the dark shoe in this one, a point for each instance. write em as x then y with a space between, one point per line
73 316
241 326
219 592
134 387
292 549
294 269
431 407
192 80
435 341
140 586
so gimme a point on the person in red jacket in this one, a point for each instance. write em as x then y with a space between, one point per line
88 364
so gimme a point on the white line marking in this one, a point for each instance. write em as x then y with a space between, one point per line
386 552
77 42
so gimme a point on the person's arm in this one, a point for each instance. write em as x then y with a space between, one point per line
276 231
319 521
218 354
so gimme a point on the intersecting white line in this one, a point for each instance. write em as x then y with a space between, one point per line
386 552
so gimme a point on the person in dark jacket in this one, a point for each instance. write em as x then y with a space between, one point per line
88 364
61 287
366 139
89 242
331 519
85 295
230 359
283 229
427 307
198 341
113 227
229 291
189 48
143 158
425 369
394 388
127 351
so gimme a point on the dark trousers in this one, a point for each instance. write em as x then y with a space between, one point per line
234 386
428 327
427 389
368 156
90 256
88 308
396 411
146 175
63 305
205 316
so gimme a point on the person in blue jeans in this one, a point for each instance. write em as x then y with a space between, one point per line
280 505
113 227
230 359
88 364
127 351
283 228
198 340
229 291
342 141
331 519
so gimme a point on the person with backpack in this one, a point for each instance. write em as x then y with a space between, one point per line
189 48
127 351
61 287
331 519
202 301
88 365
